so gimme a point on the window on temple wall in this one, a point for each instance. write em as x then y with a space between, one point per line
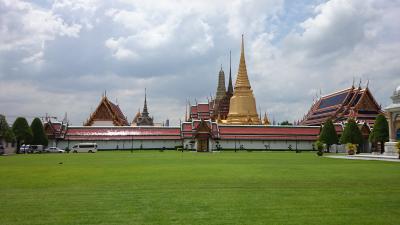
398 134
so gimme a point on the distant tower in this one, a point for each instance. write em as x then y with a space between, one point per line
221 91
229 92
242 108
143 119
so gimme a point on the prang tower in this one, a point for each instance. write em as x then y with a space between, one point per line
242 108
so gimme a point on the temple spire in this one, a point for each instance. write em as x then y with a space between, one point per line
221 91
242 107
145 110
230 86
242 80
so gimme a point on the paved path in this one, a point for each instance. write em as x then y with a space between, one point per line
367 157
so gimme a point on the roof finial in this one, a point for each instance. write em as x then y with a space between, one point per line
145 111
186 110
230 86
242 79
367 83
353 83
359 84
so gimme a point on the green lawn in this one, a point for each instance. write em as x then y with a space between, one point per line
151 187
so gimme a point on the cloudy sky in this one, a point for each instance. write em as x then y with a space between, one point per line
59 56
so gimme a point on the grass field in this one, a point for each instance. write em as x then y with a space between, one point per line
151 187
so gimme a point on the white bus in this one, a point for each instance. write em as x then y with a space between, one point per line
85 147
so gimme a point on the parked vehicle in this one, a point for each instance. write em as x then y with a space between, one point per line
54 149
2 150
36 149
24 149
85 147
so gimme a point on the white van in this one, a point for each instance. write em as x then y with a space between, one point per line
85 147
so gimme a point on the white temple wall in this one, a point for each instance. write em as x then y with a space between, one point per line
253 144
125 144
265 145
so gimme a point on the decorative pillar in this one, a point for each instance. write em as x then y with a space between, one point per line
393 111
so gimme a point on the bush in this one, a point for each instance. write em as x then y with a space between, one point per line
351 148
320 147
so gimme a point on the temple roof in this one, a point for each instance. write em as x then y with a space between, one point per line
107 111
353 102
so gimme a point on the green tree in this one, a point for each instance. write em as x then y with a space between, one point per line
39 137
380 133
5 130
328 134
351 133
286 123
22 132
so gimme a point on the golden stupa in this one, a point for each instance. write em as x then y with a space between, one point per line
242 108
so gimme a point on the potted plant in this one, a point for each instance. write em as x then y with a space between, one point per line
320 147
351 148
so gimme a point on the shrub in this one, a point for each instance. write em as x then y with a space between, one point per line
320 147
351 148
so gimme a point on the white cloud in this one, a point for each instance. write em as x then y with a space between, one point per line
26 27
118 49
344 39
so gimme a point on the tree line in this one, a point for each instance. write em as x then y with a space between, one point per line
21 133
352 133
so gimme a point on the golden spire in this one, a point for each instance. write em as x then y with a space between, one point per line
242 107
242 80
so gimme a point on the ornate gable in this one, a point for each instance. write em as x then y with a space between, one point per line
107 113
367 102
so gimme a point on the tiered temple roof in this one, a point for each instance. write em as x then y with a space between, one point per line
107 113
339 106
